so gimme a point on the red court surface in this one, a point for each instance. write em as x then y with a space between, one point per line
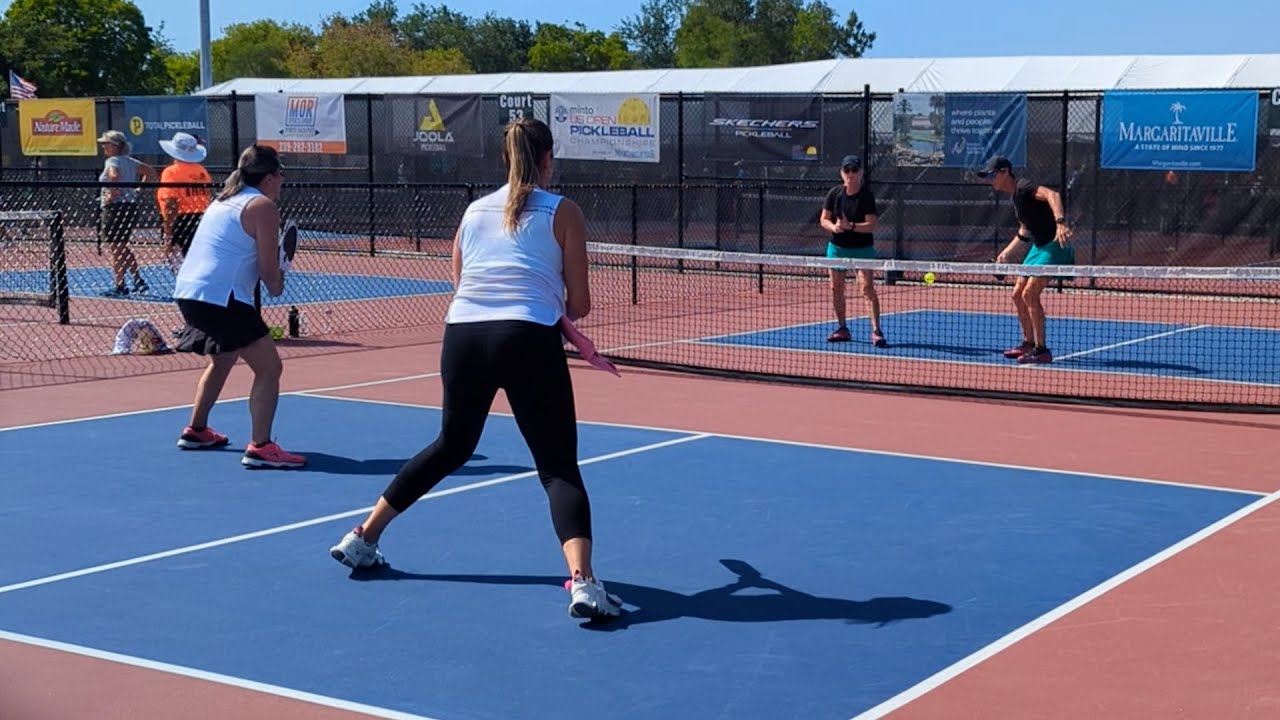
1188 634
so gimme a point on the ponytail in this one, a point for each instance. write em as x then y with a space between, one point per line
256 163
524 142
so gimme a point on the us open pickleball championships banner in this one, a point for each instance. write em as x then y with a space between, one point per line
617 127
152 119
58 126
1180 130
301 123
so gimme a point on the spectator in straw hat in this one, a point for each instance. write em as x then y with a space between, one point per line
182 207
120 209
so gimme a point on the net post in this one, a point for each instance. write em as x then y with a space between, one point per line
760 237
58 269
680 165
635 240
1097 181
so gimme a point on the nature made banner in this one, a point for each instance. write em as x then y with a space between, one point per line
1180 130
617 127
765 128
302 123
435 124
58 126
152 119
959 130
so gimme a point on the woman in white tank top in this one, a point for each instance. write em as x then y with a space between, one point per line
235 247
519 266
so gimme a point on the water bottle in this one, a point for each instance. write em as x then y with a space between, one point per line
294 323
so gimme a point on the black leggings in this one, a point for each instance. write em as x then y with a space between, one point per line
526 360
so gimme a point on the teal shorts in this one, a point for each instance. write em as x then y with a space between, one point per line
1050 254
862 253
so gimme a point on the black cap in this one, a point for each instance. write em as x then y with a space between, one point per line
848 160
995 165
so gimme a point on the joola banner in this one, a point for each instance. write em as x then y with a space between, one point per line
1180 130
765 129
435 124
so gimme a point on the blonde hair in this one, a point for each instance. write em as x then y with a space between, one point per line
524 142
256 163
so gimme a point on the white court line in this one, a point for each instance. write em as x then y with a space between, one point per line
321 520
821 446
210 677
934 681
1135 341
334 388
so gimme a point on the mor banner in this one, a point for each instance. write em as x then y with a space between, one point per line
58 126
152 119
765 128
1180 130
302 124
606 127
435 124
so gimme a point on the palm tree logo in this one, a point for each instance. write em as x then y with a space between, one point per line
1177 109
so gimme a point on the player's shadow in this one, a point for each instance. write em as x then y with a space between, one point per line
951 349
339 465
751 598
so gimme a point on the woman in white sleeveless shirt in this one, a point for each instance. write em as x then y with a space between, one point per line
236 247
519 265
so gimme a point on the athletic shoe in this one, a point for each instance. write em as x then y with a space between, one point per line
1037 356
1017 352
201 439
354 552
877 339
588 599
270 455
841 334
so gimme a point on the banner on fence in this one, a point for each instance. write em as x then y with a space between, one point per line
616 127
152 119
959 130
435 124
765 129
1273 119
1180 130
302 124
58 126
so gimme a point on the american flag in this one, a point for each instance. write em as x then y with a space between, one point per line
20 88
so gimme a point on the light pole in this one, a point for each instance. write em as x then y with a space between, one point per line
206 56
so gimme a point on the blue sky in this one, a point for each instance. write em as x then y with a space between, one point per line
919 28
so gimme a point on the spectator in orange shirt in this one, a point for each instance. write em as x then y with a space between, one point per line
182 207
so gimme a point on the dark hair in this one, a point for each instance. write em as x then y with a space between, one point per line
256 163
524 142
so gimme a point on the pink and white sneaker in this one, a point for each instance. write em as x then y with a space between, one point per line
270 455
201 439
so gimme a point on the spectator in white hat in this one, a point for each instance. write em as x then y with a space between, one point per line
182 207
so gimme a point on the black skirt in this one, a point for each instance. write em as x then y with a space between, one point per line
214 329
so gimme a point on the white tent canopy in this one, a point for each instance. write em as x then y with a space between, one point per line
833 77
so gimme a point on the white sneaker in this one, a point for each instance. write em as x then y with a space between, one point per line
354 552
588 599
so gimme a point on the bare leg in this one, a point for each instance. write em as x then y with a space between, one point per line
267 367
1035 310
868 286
837 296
209 387
1024 314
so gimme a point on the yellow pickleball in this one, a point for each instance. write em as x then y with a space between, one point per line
929 277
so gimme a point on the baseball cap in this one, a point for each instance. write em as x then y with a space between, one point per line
995 165
848 160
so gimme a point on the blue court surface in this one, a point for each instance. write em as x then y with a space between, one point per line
301 288
1201 352
762 579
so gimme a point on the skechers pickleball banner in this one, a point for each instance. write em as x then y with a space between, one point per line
302 124
152 119
58 126
617 127
435 124
765 129
1180 130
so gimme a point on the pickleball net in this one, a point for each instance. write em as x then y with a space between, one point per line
1200 337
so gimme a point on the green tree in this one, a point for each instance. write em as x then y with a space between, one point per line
183 70
728 33
449 61
557 48
349 49
490 44
261 49
651 33
83 48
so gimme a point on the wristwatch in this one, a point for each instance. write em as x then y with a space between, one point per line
1060 221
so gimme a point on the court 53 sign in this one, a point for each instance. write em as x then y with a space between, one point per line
1180 130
